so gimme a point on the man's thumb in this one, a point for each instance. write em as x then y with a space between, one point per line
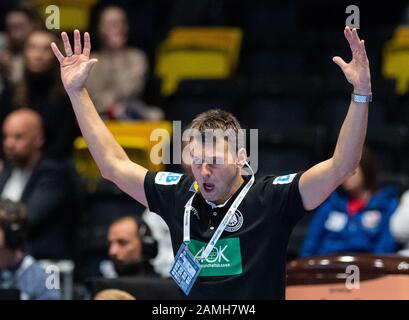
90 64
340 62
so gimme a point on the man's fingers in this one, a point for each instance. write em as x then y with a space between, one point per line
340 62
363 48
87 45
57 52
77 42
67 45
352 39
356 45
348 35
355 35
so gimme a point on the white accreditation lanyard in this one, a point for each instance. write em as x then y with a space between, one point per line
230 213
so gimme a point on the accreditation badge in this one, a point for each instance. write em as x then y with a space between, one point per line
185 269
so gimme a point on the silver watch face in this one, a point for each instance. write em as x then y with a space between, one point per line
361 99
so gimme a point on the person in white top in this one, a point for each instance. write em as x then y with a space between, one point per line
399 224
160 231
118 81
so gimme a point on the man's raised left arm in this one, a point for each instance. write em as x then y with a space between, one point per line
317 183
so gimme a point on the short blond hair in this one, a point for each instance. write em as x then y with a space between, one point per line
113 294
218 119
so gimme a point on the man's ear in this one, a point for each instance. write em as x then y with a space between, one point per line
39 140
241 157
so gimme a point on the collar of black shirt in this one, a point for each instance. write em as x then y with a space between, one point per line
229 202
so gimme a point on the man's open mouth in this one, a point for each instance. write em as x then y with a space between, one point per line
208 187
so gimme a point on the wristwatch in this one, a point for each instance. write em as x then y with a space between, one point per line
359 98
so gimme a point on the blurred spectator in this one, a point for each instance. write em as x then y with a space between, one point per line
117 81
41 184
20 23
17 269
41 89
400 224
5 58
5 103
354 218
113 294
131 247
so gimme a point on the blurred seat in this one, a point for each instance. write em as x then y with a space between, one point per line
197 53
209 37
134 137
72 14
176 64
395 58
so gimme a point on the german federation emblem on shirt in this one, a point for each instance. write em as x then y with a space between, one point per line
235 223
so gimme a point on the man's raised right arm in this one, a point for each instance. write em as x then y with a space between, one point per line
111 159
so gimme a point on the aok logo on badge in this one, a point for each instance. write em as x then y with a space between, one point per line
216 256
224 259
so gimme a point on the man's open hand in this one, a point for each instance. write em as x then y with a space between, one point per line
76 66
357 70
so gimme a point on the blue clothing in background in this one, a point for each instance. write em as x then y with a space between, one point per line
333 230
31 279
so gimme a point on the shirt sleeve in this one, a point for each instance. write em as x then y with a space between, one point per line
161 190
284 193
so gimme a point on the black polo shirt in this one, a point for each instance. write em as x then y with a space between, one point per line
248 261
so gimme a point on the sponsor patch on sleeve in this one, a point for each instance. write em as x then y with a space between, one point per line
284 179
167 178
194 187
